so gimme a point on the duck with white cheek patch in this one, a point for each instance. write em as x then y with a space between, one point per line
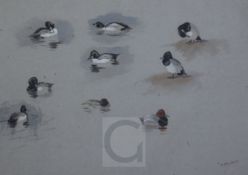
173 66
17 118
188 30
102 60
45 32
36 88
112 29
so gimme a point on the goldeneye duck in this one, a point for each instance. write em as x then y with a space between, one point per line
102 59
188 30
113 28
36 88
172 65
45 32
159 120
19 117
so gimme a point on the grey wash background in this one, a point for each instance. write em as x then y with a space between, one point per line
207 131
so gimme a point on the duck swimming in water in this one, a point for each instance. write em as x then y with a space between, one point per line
36 88
93 103
163 118
188 30
102 59
45 32
113 28
19 117
159 120
172 65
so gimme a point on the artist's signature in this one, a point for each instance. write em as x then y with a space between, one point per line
228 163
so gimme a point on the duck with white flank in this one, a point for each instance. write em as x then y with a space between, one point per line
113 28
36 88
45 32
159 120
188 30
173 66
19 117
102 59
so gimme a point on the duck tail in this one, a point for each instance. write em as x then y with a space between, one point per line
127 28
114 59
182 73
50 85
115 56
198 38
39 30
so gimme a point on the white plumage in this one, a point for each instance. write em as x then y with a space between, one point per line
102 59
175 67
150 121
114 28
49 33
172 65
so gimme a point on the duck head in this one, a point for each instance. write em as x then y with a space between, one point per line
99 25
49 25
23 109
33 83
104 102
161 113
186 26
94 54
166 57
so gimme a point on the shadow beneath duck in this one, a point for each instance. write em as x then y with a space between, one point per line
34 118
114 68
109 18
64 36
96 68
164 80
191 50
